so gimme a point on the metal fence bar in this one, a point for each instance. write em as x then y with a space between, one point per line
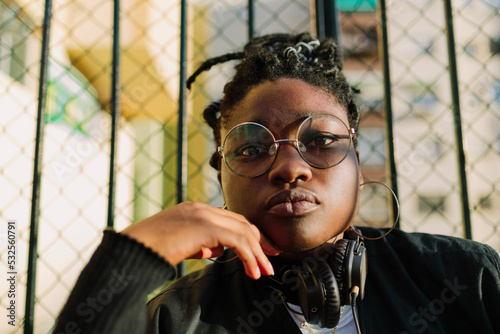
389 129
182 133
182 120
455 96
251 18
115 111
37 173
332 21
320 18
328 20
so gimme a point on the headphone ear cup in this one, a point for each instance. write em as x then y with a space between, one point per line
319 295
338 263
349 265
331 313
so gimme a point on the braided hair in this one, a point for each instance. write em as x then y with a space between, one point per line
276 56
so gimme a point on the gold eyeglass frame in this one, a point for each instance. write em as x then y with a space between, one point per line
295 142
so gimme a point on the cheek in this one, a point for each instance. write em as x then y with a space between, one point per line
234 189
225 182
343 189
353 187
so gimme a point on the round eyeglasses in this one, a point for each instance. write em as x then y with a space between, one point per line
322 140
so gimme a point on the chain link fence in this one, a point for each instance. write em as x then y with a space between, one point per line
76 145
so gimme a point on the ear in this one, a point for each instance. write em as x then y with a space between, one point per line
361 180
219 178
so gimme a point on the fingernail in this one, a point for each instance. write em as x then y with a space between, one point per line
277 248
256 273
270 269
275 252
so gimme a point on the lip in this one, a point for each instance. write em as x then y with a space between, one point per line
292 202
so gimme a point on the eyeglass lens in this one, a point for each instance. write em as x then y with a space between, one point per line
322 140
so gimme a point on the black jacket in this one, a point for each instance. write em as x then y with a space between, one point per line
416 283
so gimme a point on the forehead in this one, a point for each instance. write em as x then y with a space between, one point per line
281 103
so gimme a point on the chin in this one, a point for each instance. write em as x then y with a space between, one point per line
300 249
302 253
304 244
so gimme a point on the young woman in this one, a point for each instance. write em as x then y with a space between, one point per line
290 175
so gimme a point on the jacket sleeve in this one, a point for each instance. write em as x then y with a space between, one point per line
490 288
110 294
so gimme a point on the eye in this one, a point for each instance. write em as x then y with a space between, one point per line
251 150
324 140
320 140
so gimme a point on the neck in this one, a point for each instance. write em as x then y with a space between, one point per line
322 251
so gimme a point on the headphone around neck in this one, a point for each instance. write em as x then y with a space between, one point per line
323 286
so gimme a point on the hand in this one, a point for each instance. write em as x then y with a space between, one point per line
197 230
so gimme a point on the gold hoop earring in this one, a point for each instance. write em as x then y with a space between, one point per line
395 220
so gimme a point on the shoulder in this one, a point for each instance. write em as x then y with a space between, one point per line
207 281
220 298
430 282
411 244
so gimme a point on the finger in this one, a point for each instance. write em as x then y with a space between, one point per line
246 248
267 245
207 253
236 232
264 265
260 246
252 268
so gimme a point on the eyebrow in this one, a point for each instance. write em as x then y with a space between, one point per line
299 117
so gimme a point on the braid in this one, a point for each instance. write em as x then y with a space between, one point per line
276 56
211 114
207 65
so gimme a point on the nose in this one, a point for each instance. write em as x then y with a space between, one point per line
289 166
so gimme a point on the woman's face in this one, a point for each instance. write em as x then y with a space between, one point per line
297 206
